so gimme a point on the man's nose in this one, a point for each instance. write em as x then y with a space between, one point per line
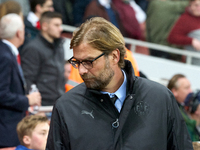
82 70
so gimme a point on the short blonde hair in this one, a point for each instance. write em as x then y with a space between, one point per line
28 124
102 35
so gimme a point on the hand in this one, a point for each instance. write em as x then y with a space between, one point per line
196 44
34 99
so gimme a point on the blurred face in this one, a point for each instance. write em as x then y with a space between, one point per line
52 29
195 8
183 89
47 6
101 74
67 71
38 139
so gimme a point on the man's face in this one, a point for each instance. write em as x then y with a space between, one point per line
39 135
101 74
47 6
54 28
195 7
67 71
183 89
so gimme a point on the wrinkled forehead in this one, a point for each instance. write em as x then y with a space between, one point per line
85 51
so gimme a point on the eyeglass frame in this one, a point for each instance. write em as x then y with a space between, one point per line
81 62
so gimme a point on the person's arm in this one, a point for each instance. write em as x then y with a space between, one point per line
178 136
58 135
31 62
179 33
7 98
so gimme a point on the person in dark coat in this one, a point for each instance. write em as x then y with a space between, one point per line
113 109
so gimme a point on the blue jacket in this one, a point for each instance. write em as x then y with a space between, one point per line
21 147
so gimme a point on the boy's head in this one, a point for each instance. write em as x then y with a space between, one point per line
33 131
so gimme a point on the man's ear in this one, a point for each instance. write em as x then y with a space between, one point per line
174 91
27 140
44 26
116 56
18 33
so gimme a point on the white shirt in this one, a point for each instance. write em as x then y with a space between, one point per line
105 3
13 47
32 18
140 14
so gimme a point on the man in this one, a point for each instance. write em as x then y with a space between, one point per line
180 87
43 59
13 102
32 24
144 115
192 106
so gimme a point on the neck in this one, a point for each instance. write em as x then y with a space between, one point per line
14 42
47 37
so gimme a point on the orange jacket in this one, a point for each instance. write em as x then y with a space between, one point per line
129 56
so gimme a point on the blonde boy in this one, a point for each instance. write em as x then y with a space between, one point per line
32 132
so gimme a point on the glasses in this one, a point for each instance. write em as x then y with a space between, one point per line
86 63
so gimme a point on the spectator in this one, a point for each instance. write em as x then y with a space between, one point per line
161 15
180 87
13 102
65 8
186 31
104 9
79 10
128 18
10 7
43 59
144 110
32 24
23 3
32 132
192 106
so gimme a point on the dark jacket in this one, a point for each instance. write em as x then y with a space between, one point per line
30 33
13 102
85 119
43 64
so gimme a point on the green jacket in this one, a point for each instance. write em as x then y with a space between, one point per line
161 16
191 125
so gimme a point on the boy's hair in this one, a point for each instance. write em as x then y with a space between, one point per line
28 124
47 16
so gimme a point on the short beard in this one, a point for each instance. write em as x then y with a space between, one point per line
102 80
